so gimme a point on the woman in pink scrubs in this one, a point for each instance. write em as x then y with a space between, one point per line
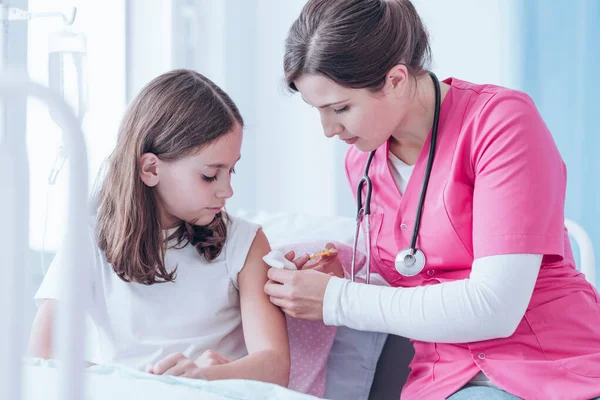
499 309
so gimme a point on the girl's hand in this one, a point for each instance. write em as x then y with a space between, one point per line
177 365
211 358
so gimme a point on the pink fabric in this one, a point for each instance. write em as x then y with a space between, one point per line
497 187
310 342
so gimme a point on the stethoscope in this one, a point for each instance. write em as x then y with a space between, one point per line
411 261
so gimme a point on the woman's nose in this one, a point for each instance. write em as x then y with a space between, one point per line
331 129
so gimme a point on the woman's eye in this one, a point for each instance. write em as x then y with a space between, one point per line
340 110
232 171
209 178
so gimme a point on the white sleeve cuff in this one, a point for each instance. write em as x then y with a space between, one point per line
331 302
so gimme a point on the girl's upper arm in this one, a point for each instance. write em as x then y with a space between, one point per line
40 341
264 324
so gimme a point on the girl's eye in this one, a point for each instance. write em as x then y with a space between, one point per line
209 178
232 171
341 110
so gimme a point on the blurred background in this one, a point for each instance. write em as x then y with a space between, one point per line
548 49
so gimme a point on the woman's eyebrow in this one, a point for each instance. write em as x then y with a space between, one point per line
327 105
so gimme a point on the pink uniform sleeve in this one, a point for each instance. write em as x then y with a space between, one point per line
520 181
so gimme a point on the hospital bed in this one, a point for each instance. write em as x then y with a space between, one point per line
66 379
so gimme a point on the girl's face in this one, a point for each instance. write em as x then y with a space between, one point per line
357 116
194 188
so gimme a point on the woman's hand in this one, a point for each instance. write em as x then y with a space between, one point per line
300 293
329 264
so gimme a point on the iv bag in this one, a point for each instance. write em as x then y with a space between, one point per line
67 70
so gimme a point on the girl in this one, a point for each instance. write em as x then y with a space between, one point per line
176 285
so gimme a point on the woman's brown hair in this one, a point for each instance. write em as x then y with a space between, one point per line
173 116
355 42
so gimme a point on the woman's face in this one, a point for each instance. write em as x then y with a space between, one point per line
359 117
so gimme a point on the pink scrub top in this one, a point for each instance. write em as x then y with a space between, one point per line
497 187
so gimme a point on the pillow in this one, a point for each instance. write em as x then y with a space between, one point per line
330 362
289 228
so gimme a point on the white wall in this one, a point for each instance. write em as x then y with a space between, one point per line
474 40
239 45
296 162
287 164
148 42
471 40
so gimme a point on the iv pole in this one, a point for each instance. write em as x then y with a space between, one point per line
14 216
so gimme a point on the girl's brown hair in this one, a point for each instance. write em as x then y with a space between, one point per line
174 115
355 42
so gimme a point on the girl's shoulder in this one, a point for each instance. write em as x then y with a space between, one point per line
240 236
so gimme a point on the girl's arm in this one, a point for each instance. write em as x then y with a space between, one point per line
40 340
264 324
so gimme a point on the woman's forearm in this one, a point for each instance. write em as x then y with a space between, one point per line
488 305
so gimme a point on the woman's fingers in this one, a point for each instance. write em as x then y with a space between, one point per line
281 303
333 251
325 260
301 261
275 289
304 261
280 275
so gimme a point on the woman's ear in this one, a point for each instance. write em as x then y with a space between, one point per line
397 78
149 169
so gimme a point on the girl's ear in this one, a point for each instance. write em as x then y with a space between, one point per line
149 169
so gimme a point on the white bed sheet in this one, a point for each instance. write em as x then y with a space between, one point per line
112 382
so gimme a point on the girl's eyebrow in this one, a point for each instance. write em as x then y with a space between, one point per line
220 165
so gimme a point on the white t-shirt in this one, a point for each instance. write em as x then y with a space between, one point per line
139 324
400 170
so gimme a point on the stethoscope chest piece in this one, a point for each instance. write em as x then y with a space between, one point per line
410 262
